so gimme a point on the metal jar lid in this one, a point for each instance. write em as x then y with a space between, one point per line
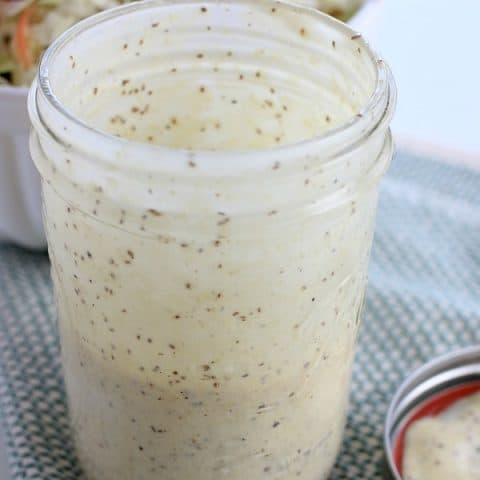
453 376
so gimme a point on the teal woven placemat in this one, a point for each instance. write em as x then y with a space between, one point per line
423 300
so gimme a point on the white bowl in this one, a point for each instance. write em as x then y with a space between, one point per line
20 193
20 198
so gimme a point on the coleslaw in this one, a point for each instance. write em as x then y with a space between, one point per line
27 27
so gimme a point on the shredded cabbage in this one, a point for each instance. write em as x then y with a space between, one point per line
49 19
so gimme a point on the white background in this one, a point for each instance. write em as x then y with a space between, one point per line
434 52
433 49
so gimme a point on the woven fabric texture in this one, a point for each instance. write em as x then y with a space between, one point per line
423 300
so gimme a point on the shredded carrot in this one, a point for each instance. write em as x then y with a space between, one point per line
21 38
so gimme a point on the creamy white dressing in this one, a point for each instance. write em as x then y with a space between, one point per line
447 446
208 313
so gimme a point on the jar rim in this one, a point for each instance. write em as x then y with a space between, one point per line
330 144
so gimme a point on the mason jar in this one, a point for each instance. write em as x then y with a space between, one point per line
210 177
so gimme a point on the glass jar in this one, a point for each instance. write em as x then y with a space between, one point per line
210 178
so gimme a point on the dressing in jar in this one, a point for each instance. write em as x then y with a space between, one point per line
210 177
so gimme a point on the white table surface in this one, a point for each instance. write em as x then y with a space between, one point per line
431 46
